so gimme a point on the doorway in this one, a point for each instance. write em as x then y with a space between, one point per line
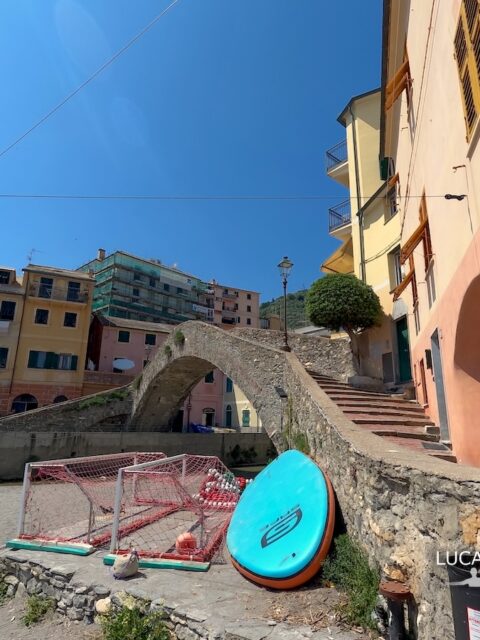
177 425
403 348
439 387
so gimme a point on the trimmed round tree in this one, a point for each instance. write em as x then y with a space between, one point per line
342 301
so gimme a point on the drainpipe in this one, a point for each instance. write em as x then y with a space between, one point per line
359 207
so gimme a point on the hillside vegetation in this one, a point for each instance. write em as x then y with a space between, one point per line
296 316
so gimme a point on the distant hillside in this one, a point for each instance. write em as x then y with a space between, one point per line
296 316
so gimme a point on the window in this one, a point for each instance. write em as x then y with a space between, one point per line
70 320
229 386
136 292
209 378
7 310
41 316
4 277
395 268
249 309
239 320
24 402
67 361
137 276
179 290
152 282
467 54
50 360
73 291
246 418
249 296
150 338
124 336
228 415
166 287
45 288
3 357
249 321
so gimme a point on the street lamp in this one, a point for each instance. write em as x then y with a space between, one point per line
285 266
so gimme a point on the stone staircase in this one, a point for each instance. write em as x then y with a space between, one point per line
400 421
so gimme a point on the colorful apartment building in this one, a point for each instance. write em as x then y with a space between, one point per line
12 296
44 336
134 288
368 226
234 307
430 132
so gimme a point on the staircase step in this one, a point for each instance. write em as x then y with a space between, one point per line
382 409
365 418
362 396
400 431
422 447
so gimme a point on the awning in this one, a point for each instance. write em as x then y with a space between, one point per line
341 260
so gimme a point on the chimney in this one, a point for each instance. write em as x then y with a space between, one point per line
101 255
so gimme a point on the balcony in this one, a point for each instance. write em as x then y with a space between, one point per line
337 163
54 293
230 296
339 218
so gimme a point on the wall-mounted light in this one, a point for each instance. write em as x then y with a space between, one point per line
454 196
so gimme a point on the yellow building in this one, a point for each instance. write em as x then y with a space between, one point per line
48 362
11 308
368 227
238 411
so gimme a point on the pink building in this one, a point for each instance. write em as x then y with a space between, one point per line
115 339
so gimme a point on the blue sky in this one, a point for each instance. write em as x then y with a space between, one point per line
219 98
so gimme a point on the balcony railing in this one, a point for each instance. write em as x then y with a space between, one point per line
336 155
230 296
339 215
54 293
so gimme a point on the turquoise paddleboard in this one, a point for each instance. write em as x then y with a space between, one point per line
282 527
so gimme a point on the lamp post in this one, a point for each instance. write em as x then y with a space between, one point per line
285 266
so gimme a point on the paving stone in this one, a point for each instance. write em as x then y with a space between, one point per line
247 630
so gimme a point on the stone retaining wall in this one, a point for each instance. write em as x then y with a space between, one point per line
401 506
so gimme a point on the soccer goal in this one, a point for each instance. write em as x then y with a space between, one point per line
174 511
68 505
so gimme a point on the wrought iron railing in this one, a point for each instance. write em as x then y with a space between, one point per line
336 155
339 215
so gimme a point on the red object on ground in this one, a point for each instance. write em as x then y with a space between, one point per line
185 541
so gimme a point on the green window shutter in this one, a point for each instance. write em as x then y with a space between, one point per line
51 360
73 366
384 168
32 359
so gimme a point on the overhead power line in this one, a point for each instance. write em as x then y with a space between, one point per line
41 196
94 75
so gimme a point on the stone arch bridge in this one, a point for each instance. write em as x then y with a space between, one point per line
402 506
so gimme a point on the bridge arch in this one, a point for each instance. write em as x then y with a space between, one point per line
191 352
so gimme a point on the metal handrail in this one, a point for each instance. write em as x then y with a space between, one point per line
339 215
336 155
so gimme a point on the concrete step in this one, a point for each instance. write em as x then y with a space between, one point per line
400 431
365 418
381 409
436 450
365 396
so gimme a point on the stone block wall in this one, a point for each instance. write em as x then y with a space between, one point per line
402 507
